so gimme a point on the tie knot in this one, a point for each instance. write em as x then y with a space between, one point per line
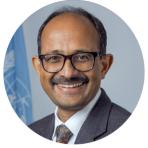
63 134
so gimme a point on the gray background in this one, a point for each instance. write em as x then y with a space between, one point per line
124 81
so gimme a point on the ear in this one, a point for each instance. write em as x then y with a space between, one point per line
106 62
36 64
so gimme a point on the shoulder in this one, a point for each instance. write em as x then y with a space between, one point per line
41 122
116 113
117 117
117 110
42 125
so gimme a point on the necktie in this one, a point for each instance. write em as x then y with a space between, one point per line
63 134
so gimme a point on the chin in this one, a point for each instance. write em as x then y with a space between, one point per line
74 107
71 104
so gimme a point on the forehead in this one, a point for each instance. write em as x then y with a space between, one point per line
68 29
69 19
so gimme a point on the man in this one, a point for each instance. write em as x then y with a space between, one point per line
72 62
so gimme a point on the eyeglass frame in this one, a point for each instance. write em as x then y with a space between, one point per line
95 54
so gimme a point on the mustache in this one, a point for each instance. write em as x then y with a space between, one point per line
68 81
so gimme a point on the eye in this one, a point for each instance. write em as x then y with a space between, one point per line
53 58
83 57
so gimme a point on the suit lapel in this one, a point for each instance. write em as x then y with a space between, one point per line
50 127
96 123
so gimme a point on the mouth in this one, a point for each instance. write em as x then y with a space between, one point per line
71 86
74 85
71 89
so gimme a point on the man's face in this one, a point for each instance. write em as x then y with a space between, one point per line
68 34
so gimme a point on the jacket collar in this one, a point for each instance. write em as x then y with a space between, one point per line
50 127
96 123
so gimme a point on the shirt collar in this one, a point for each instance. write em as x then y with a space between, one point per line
75 122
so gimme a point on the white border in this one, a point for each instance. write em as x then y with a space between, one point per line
15 134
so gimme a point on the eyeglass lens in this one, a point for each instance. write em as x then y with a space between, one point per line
80 61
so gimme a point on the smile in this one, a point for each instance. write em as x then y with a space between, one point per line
71 85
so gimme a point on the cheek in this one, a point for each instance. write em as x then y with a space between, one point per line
45 79
95 78
95 73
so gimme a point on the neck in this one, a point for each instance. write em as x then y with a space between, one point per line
64 115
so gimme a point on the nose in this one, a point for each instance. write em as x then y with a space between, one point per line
68 70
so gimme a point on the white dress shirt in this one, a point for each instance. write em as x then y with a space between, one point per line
75 122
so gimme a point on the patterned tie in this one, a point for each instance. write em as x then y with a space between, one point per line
63 134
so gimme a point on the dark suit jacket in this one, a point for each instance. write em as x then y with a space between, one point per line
104 118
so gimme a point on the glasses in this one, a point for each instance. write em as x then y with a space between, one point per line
83 61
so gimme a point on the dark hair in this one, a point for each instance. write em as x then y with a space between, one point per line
95 21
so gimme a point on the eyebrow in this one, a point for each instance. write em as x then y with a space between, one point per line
55 51
59 51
